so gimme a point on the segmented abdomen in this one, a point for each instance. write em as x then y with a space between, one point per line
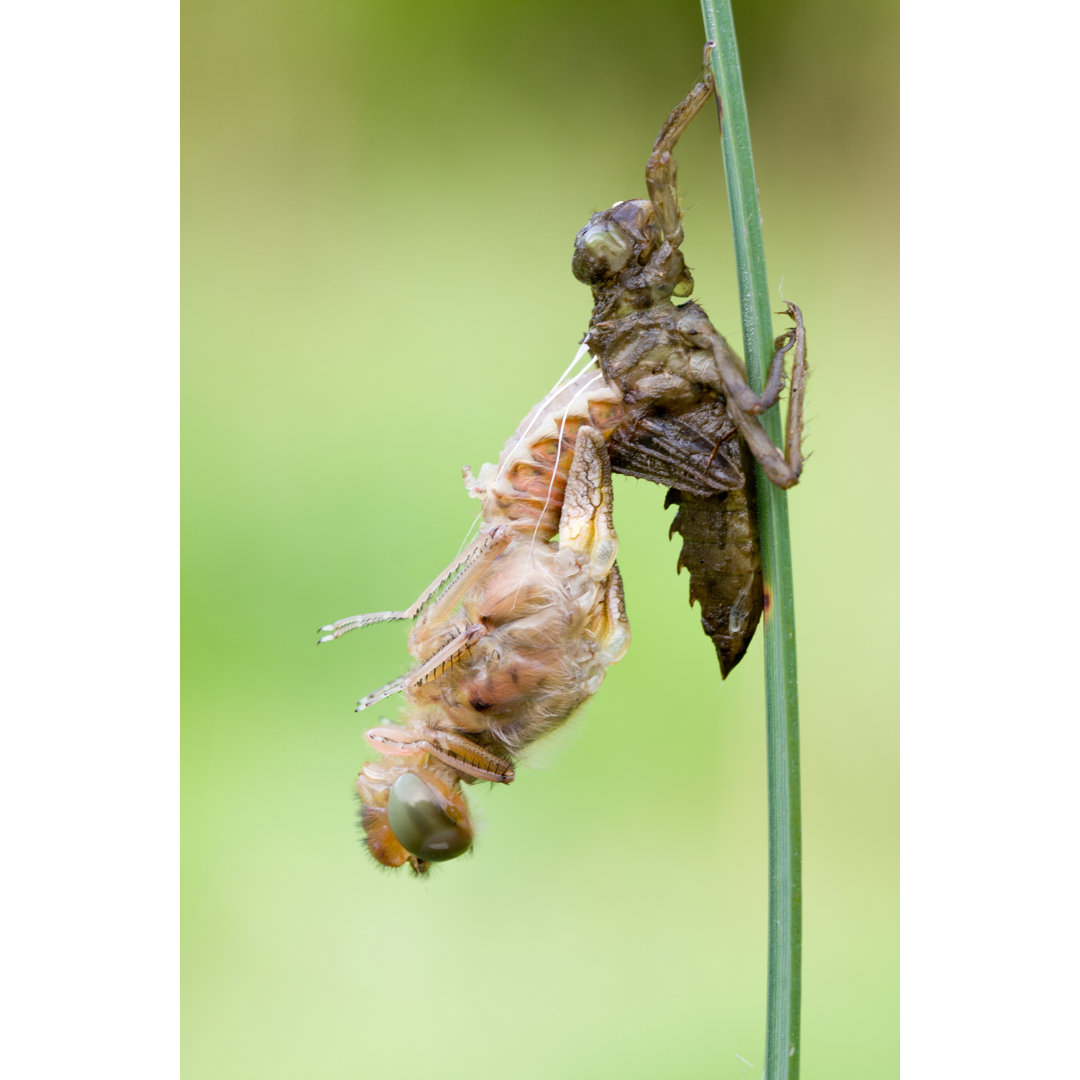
696 452
526 487
723 554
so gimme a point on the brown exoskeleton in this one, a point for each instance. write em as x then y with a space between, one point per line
519 630
692 417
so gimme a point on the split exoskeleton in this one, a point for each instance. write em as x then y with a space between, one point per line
519 630
693 420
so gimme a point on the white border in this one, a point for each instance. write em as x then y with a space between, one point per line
90 99
989 636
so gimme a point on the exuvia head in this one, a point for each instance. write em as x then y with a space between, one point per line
613 238
624 247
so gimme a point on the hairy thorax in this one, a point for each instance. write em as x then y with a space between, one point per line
535 665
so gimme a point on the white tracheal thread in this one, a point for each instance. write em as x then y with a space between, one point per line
561 383
469 533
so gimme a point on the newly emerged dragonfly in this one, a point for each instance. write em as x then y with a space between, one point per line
519 630
519 636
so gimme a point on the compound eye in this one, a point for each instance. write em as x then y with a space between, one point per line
600 252
418 818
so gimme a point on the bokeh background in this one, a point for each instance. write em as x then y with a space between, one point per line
379 203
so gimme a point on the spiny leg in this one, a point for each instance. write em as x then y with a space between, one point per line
782 469
436 622
455 750
432 668
746 399
731 371
460 573
797 393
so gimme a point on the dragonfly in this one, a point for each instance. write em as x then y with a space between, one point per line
518 631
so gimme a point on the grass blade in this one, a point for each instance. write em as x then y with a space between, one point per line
781 682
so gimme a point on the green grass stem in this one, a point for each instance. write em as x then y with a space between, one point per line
781 682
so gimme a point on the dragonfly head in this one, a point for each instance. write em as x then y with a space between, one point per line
624 248
411 814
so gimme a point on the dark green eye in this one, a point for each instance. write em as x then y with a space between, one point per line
418 818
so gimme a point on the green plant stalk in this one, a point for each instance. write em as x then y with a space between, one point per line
781 681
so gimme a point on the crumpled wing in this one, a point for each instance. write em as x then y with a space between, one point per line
697 451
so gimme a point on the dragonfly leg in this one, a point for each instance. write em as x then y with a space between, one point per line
449 747
661 171
484 550
460 574
434 666
743 405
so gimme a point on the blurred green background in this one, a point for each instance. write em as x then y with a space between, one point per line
379 204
